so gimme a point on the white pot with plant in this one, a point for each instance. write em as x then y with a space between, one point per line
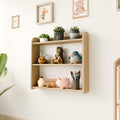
44 37
74 32
3 71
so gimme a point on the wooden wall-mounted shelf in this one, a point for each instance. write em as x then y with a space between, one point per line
35 67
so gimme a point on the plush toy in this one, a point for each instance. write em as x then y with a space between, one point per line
58 57
75 58
51 83
42 59
63 83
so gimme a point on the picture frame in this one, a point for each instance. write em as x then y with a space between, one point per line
44 13
80 8
118 5
15 22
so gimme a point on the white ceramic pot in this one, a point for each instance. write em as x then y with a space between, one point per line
41 82
74 35
43 39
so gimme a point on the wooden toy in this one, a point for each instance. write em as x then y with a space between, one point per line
58 57
51 83
75 58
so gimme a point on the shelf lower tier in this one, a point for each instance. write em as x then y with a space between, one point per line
36 87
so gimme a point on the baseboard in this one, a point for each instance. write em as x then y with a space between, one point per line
6 117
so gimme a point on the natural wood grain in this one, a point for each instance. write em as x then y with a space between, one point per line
35 50
115 66
58 42
84 40
6 117
85 62
57 64
36 87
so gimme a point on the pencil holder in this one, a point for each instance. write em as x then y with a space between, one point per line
76 84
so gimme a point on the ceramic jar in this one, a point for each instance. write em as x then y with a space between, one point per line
43 39
74 34
41 82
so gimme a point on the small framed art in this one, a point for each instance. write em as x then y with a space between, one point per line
118 5
80 8
15 21
45 13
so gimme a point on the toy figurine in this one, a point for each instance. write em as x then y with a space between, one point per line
42 59
58 57
63 83
41 82
75 58
51 83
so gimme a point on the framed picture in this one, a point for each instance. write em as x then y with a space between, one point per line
80 8
45 13
118 5
15 21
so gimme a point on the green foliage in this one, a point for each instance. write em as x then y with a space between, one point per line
6 89
59 29
44 36
74 28
3 70
3 61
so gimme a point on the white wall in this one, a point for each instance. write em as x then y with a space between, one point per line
103 26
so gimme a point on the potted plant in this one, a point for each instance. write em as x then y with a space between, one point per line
44 37
3 71
59 33
74 32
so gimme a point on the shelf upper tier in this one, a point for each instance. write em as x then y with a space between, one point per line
58 42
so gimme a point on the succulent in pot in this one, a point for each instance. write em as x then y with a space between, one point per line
74 32
59 33
44 37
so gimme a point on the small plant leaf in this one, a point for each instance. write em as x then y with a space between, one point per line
6 89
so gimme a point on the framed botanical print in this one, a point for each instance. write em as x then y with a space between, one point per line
15 21
45 13
80 8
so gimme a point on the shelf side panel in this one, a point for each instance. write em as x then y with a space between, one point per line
35 76
85 60
34 57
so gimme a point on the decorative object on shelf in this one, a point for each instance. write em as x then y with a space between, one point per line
63 83
74 32
80 8
15 22
3 71
59 33
44 37
51 83
76 80
45 13
42 59
75 58
41 82
58 57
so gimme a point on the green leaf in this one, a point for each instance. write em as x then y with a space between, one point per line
3 61
6 89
